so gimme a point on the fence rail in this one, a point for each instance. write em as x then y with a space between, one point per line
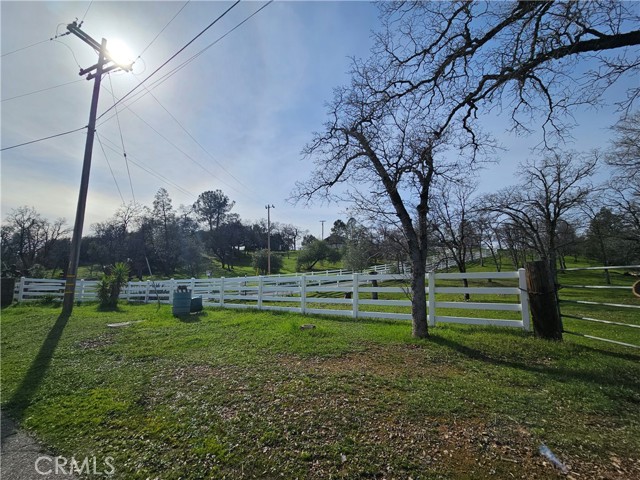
357 295
588 303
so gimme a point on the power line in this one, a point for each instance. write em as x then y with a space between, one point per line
188 61
199 144
163 29
124 153
172 57
73 54
151 171
110 169
42 139
41 90
176 147
24 48
139 95
169 74
34 44
166 139
85 12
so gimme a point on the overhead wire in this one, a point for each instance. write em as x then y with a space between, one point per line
42 139
124 152
172 57
24 48
148 91
203 149
166 139
160 32
85 12
156 83
151 171
37 43
169 74
42 90
110 169
158 175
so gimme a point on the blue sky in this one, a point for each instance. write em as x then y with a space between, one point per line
252 101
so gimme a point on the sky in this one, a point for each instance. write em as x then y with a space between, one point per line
235 118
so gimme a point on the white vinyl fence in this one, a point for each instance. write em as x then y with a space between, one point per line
354 294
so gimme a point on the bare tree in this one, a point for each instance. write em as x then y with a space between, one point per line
388 155
625 154
452 222
518 56
552 190
27 237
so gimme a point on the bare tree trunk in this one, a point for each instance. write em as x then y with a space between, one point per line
418 298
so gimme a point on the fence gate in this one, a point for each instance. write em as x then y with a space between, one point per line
572 295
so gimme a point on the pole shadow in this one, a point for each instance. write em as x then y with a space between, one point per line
21 398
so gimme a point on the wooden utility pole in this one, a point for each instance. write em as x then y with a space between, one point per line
543 298
102 66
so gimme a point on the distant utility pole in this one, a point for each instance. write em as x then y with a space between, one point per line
322 222
269 207
105 64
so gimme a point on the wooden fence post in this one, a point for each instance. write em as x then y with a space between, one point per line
543 299
374 284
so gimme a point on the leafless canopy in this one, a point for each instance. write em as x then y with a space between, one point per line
536 60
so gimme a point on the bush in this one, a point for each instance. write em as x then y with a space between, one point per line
316 251
259 261
110 285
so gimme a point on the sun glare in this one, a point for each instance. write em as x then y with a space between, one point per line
119 52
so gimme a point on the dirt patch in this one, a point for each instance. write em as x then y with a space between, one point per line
101 341
386 361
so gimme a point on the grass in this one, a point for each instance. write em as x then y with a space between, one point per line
246 394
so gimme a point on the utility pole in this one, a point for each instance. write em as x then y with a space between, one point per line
103 65
322 222
269 207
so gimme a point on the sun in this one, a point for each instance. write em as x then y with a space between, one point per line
119 52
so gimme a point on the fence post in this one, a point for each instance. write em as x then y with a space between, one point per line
192 285
222 291
147 292
260 289
173 285
431 287
303 294
81 290
524 300
21 289
544 306
355 297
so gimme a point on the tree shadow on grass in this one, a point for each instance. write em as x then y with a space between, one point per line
21 398
559 373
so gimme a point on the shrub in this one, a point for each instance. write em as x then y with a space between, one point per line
259 261
110 285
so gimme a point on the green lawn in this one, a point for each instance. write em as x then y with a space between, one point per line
246 394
